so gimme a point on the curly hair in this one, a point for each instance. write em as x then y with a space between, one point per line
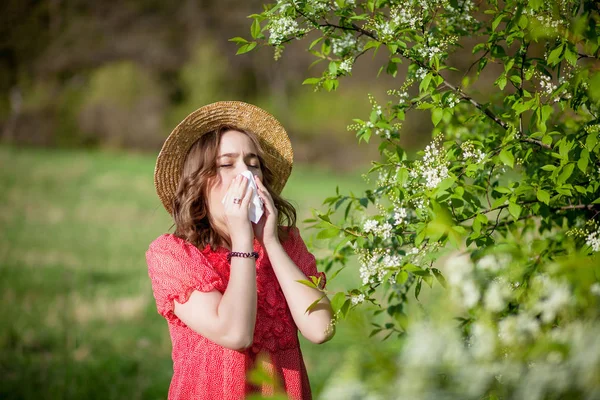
190 205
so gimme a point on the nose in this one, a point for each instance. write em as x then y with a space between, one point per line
243 168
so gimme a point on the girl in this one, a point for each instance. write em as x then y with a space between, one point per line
227 286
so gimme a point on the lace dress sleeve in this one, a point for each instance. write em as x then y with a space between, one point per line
304 259
177 268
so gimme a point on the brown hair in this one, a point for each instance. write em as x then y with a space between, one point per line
190 204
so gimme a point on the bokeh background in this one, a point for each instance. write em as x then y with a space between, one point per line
89 90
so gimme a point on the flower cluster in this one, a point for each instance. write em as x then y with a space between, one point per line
343 45
359 298
452 100
433 167
281 28
376 263
546 84
420 73
459 271
591 234
471 153
346 66
554 297
407 15
593 240
381 230
400 215
384 30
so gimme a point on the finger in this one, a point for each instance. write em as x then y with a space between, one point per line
242 191
246 199
237 191
264 195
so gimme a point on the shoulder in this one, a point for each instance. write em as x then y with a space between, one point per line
171 247
169 241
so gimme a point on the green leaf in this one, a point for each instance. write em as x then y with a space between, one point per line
436 116
566 173
497 21
514 209
314 304
507 157
311 81
307 283
328 233
570 56
316 41
338 301
584 158
255 29
417 289
501 81
543 196
439 277
554 56
246 48
424 85
238 39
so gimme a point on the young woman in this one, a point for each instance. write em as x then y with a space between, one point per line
227 286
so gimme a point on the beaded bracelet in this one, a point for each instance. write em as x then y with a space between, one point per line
240 254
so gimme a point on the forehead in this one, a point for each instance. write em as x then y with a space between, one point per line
236 142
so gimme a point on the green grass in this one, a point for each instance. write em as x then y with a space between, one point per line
79 316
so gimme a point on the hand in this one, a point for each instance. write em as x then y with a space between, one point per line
266 230
236 215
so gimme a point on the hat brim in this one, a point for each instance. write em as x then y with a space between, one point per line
274 140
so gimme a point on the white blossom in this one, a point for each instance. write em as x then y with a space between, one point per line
489 263
400 215
281 28
515 329
483 340
370 225
375 264
593 240
595 288
421 73
495 296
346 66
433 169
547 86
554 297
470 293
469 152
406 16
357 299
343 45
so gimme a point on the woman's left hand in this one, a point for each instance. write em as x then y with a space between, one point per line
266 230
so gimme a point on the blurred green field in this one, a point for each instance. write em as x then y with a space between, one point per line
79 316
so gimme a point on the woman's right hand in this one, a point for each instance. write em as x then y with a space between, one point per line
236 215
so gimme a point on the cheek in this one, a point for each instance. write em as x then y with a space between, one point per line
218 190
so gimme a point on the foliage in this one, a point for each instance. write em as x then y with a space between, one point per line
507 193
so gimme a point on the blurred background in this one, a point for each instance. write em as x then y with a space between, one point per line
89 90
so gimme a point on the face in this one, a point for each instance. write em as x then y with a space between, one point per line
237 153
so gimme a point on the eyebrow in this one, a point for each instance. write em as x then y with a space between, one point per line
234 155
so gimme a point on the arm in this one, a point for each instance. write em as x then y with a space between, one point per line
314 324
229 319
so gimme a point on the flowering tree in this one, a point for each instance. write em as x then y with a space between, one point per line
501 208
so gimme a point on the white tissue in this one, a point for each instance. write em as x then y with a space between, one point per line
255 211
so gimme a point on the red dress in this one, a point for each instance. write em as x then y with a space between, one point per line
203 369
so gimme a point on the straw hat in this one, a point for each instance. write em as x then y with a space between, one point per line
271 134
